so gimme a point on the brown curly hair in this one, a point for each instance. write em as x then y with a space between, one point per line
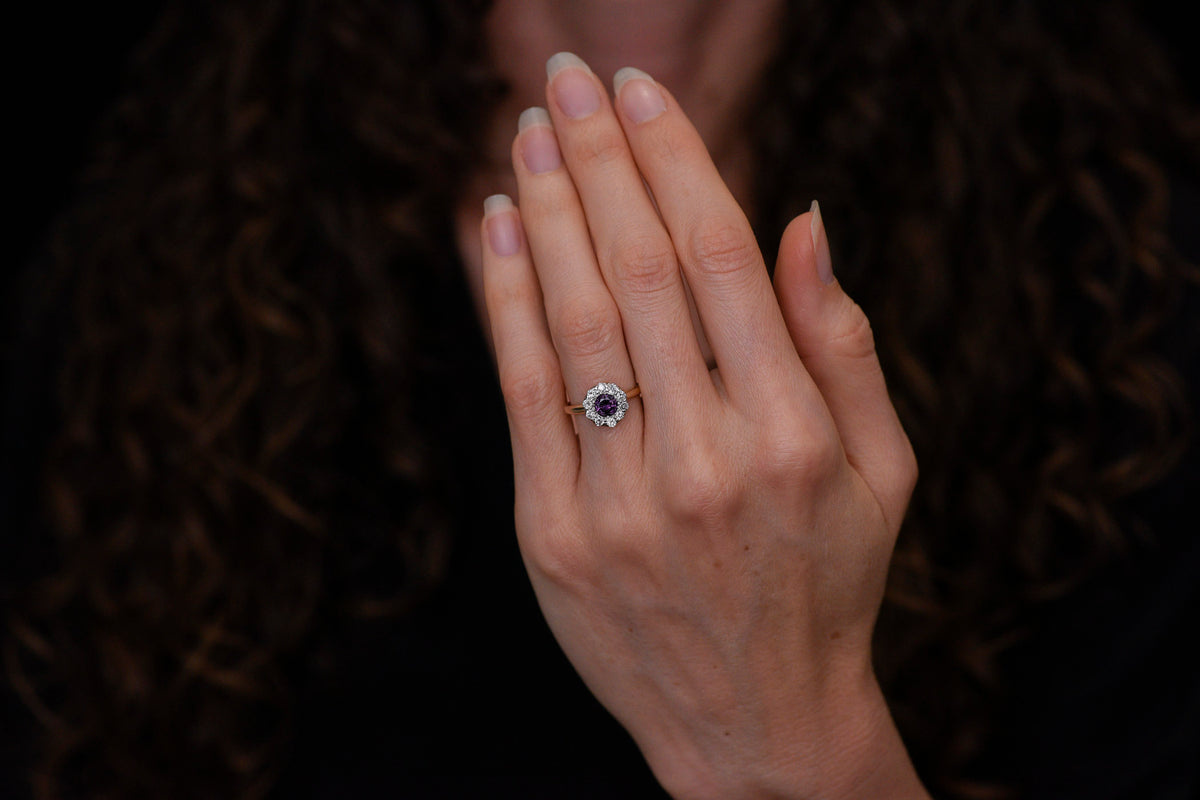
248 326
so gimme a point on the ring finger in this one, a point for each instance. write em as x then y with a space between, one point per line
585 323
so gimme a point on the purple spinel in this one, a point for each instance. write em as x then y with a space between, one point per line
606 405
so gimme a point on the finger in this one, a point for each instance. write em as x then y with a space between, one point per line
585 324
632 247
544 447
713 239
833 338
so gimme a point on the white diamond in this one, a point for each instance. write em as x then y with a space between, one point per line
593 394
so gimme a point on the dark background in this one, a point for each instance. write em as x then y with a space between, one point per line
67 66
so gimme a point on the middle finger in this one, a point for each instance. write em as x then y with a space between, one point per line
633 248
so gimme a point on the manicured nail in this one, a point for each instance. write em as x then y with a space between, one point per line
641 99
539 145
820 245
573 85
504 237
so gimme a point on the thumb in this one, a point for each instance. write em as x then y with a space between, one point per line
833 338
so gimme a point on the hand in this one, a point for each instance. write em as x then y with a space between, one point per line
712 565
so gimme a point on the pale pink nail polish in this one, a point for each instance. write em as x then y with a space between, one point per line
573 85
820 245
539 145
503 234
638 95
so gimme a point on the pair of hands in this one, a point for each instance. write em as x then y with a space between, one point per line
712 565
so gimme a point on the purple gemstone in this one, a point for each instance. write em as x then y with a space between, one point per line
606 405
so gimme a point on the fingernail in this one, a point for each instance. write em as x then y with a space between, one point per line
539 145
573 85
641 99
820 245
504 237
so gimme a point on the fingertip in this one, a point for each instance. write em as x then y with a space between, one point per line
536 144
501 228
533 116
643 100
626 74
796 259
820 244
804 252
811 300
494 204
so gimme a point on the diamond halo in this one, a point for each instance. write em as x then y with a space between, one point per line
605 404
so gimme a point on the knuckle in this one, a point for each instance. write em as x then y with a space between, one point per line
586 328
531 384
794 456
700 492
601 148
664 147
642 266
560 558
717 247
620 534
897 480
853 336
908 470
516 294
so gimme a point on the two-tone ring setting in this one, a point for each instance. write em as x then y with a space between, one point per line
605 404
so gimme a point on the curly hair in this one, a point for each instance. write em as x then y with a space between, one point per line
256 266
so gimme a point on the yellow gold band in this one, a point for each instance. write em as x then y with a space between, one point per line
579 409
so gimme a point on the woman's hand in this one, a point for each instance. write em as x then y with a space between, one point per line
713 564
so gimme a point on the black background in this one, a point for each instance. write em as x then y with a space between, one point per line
67 67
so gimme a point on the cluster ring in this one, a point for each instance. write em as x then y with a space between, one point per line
605 404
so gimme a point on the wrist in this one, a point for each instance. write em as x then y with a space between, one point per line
857 753
845 747
864 756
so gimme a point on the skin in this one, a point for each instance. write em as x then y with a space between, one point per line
711 53
712 566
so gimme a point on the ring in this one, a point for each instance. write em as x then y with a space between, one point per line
605 404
